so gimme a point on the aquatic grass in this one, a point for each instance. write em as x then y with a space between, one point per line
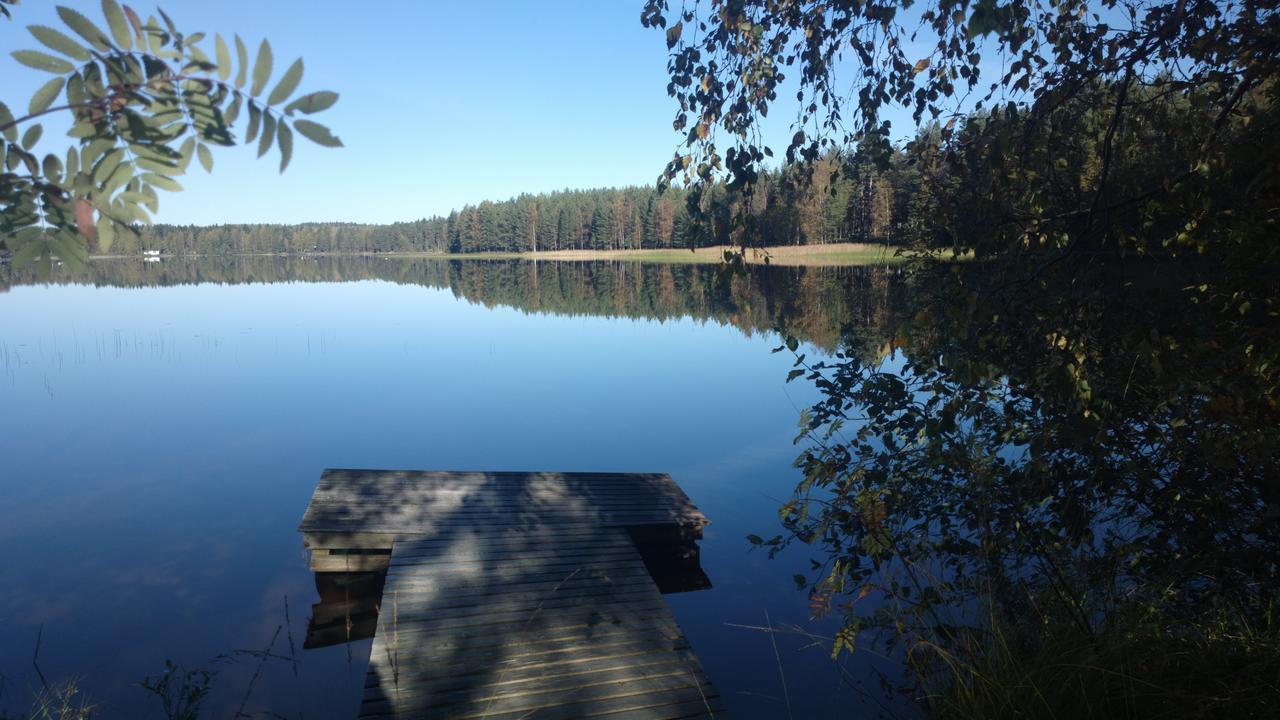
60 701
181 693
782 675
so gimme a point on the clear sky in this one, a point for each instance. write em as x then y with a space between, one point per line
443 103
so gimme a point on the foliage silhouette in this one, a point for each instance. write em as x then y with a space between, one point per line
144 98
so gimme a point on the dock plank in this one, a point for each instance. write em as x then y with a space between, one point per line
535 653
513 595
412 502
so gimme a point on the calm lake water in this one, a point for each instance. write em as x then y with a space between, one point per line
164 425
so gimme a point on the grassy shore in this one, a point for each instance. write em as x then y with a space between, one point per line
790 255
834 254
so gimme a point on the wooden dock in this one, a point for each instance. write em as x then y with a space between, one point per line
514 595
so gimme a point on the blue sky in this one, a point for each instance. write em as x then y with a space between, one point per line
443 104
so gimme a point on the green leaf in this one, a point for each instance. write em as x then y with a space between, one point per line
287 84
155 37
96 150
284 136
261 69
173 30
198 58
59 42
232 113
313 102
82 130
134 212
106 233
122 174
316 133
185 152
71 250
135 22
157 166
206 157
45 96
107 164
119 26
153 201
29 252
268 134
255 123
242 58
52 168
75 89
40 61
162 182
146 197
84 28
6 118
223 56
73 163
28 159
31 136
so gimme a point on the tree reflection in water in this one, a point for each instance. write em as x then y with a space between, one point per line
1040 484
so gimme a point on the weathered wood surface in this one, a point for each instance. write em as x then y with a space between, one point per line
507 623
512 595
366 503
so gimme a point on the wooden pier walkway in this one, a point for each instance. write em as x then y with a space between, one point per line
515 595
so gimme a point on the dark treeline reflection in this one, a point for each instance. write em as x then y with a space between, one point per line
818 305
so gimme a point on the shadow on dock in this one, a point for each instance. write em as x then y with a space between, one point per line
349 601
503 595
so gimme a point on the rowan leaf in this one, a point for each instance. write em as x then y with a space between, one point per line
284 137
223 56
119 26
31 136
206 157
6 121
45 96
242 59
59 42
261 69
106 233
317 133
287 84
162 182
268 135
85 28
312 102
41 61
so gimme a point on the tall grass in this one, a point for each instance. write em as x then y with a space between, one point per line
1225 664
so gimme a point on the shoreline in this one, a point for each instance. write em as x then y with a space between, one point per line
831 255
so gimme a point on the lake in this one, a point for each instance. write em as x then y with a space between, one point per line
165 423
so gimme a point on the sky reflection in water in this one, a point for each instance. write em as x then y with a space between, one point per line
160 444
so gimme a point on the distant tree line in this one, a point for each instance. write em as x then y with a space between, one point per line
844 197
820 305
